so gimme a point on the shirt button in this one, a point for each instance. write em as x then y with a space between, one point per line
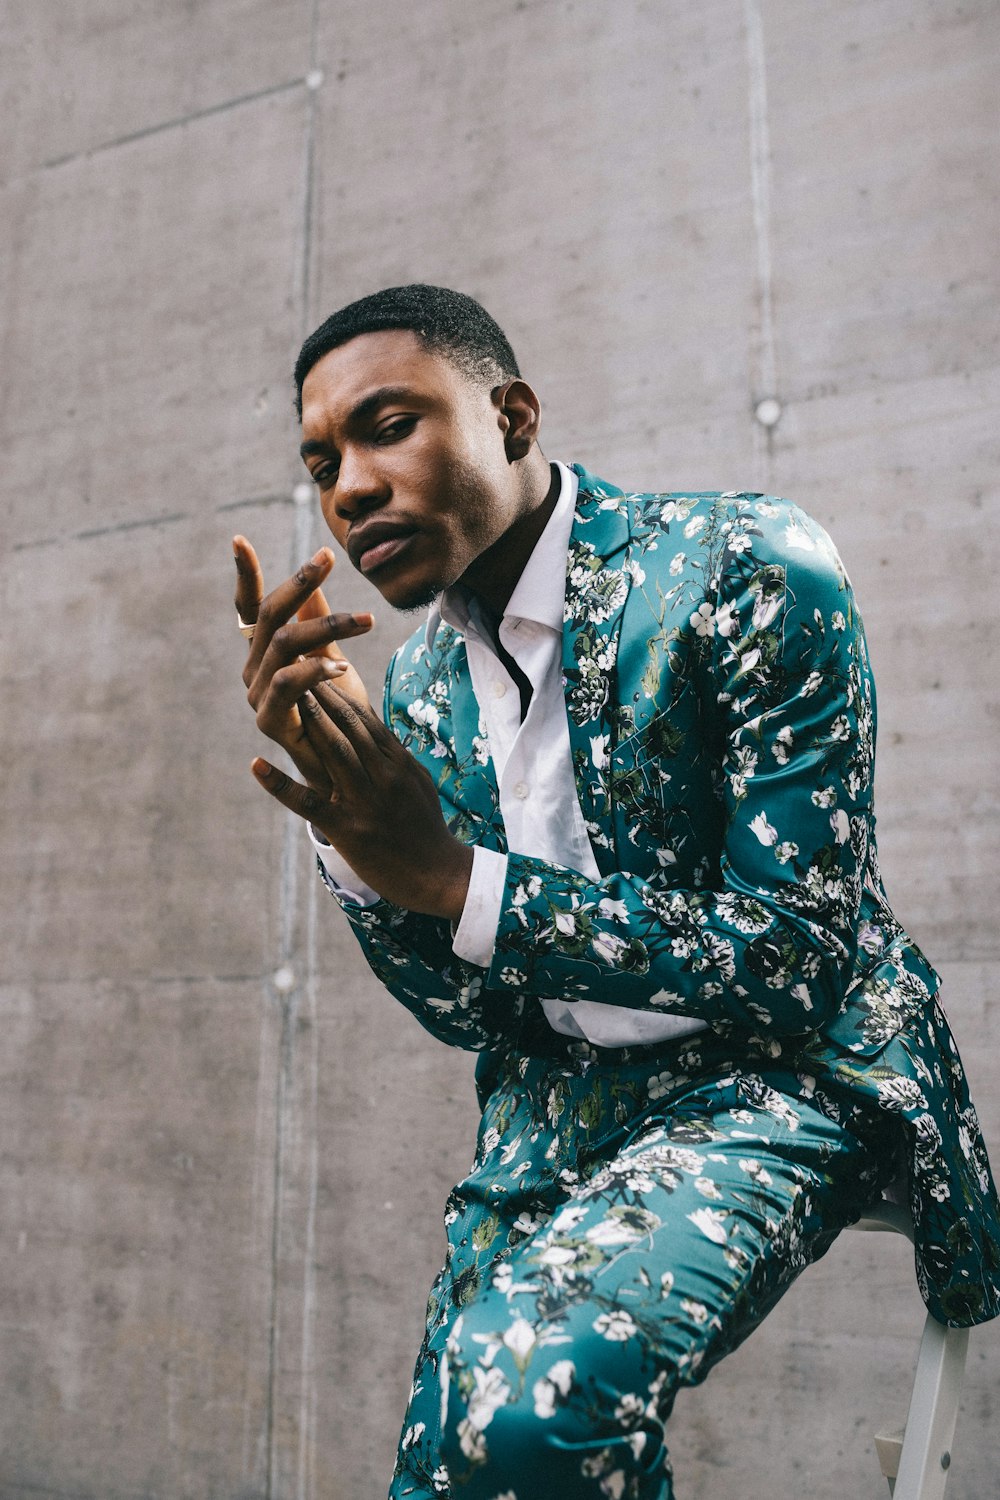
499 688
520 789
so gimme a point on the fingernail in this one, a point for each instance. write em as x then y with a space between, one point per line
260 768
319 559
334 668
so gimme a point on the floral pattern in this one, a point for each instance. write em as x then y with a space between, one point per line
722 724
558 1332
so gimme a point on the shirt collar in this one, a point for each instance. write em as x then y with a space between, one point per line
540 592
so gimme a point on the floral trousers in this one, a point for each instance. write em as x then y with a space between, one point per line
630 1217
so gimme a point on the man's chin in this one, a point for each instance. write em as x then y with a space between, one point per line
410 601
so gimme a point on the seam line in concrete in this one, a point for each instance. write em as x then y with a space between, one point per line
97 531
163 125
765 371
253 501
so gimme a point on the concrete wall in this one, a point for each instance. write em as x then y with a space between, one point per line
224 1150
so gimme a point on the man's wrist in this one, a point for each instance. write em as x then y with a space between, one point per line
456 885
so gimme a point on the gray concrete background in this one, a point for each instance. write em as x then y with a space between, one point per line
223 1151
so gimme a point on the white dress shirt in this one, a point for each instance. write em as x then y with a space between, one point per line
534 771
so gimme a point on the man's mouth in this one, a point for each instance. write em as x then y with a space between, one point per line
372 546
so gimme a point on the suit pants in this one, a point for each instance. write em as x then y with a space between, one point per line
630 1217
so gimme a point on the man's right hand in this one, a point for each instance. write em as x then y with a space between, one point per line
294 651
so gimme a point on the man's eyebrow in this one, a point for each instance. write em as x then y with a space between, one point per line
364 408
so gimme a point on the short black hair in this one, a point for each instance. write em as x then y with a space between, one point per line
449 323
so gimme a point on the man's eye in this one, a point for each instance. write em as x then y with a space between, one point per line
325 475
392 431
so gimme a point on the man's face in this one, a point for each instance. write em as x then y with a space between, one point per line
409 458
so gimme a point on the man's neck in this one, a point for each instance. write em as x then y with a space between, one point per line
494 574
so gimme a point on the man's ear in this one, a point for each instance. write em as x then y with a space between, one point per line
518 416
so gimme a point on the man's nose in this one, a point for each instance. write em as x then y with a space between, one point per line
360 485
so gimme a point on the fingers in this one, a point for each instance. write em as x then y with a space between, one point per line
276 705
303 638
348 737
249 580
314 606
279 606
309 804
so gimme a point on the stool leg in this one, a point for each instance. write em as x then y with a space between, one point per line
930 1423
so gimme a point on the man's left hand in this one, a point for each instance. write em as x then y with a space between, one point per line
381 813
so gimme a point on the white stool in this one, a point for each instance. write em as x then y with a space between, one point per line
916 1460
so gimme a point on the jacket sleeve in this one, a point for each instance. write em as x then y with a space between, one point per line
768 942
412 955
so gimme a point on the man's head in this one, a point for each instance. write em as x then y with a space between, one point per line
420 435
446 322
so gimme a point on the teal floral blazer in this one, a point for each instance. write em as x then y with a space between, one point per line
722 723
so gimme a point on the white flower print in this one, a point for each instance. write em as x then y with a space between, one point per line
614 1231
617 1326
703 619
568 1218
783 742
489 1393
503 1277
696 1311
425 713
711 1222
677 564
756 1172
520 1338
630 1409
841 825
901 1093
608 947
765 831
558 1255
557 1383
471 1442
469 992
599 751
725 620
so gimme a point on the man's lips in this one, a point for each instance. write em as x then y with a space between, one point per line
370 547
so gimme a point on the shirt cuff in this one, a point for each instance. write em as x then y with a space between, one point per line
476 933
345 884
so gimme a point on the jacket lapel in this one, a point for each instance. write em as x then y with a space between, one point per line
597 587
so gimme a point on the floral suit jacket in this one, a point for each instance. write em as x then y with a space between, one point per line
722 724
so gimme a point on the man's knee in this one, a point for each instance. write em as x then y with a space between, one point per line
520 1407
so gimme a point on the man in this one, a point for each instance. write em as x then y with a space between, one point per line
616 834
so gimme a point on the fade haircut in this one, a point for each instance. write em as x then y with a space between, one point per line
448 323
